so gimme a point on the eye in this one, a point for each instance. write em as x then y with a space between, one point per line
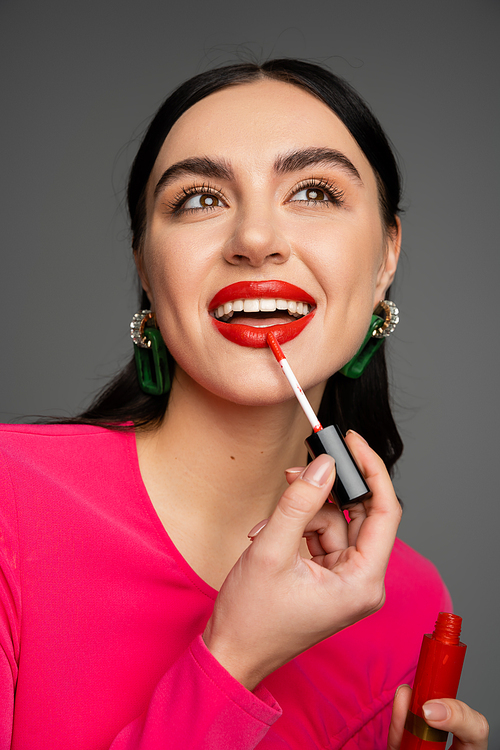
317 193
312 195
194 199
204 200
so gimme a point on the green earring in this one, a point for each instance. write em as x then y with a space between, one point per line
380 329
151 356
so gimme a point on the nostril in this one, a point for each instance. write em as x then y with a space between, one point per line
255 258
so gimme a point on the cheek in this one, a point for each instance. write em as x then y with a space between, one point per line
347 257
175 266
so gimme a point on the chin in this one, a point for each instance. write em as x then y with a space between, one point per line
257 395
266 388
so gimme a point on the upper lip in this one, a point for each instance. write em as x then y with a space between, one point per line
260 289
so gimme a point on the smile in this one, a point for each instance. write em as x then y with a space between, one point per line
263 305
246 311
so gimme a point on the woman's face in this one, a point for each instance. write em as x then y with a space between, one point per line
257 187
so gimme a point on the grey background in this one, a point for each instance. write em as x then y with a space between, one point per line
80 80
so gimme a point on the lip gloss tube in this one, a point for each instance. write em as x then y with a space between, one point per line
438 674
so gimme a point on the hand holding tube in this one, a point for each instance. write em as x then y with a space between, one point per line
470 728
275 604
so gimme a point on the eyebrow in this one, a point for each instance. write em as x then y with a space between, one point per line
202 166
310 157
293 161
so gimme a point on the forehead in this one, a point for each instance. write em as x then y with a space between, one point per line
249 124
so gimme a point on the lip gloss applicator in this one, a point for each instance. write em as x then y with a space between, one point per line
349 487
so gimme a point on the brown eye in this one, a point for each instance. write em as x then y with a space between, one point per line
312 195
315 194
208 201
202 200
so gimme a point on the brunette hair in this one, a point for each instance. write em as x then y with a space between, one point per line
361 404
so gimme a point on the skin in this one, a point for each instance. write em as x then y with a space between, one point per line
233 426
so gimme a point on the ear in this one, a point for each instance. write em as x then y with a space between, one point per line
387 270
141 271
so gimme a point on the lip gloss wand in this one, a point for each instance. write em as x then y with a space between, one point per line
350 486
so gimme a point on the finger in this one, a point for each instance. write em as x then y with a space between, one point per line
297 506
327 531
469 727
357 516
314 546
399 710
257 529
383 512
292 474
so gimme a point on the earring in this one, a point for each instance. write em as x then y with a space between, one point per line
151 358
380 329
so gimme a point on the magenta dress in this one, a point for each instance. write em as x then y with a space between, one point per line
100 622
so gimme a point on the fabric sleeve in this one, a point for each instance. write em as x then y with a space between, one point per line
199 705
10 607
8 656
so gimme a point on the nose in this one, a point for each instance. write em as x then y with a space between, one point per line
256 239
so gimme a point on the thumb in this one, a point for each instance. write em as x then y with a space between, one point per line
469 727
297 507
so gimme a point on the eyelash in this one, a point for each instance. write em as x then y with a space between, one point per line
334 193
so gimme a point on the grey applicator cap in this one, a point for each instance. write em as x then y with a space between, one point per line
349 487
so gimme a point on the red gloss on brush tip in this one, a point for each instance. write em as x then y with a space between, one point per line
438 674
275 347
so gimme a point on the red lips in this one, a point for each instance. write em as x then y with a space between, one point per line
244 335
254 289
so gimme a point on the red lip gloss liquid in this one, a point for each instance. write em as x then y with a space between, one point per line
438 674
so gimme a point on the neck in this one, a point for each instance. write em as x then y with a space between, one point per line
223 459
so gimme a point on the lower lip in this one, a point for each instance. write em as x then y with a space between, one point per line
256 337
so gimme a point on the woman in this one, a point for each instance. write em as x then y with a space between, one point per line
274 184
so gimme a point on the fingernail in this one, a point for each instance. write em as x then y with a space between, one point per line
357 435
318 472
399 688
435 711
294 470
253 533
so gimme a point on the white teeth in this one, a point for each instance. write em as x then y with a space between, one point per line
267 305
225 312
251 305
